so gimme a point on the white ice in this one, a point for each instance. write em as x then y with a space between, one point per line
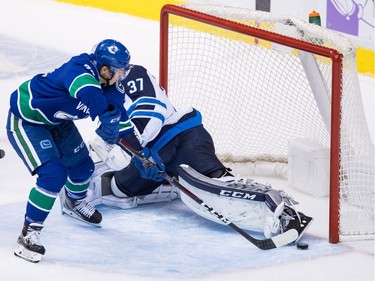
154 242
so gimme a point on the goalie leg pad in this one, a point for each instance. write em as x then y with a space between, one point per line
103 190
250 205
163 193
229 199
99 184
100 190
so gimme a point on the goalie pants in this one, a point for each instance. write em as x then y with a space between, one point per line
193 147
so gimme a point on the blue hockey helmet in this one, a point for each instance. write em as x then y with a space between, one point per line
113 54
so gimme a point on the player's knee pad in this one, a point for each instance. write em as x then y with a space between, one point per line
52 175
82 171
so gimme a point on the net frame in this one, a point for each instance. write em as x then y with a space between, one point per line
212 16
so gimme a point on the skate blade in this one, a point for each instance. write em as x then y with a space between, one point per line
26 254
73 215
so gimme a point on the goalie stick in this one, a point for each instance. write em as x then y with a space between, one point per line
263 244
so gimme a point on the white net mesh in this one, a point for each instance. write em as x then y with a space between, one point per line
255 95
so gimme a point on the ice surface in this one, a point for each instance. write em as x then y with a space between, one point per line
165 241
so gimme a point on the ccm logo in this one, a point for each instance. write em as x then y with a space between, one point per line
116 119
237 194
78 148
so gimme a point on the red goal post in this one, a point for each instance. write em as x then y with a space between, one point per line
199 41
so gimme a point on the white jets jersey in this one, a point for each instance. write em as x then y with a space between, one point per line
150 111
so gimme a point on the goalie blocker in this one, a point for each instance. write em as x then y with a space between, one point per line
248 204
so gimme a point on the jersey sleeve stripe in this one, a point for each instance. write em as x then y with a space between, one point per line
147 114
25 108
145 101
82 81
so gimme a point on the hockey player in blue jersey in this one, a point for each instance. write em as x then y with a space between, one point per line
41 129
169 138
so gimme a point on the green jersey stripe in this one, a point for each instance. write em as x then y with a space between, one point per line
23 143
76 187
82 81
27 111
41 200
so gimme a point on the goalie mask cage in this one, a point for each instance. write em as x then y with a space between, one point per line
260 80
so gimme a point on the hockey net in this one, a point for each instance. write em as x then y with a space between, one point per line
261 80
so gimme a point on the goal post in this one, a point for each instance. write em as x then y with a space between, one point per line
261 80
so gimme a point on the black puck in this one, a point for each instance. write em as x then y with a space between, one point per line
2 153
302 246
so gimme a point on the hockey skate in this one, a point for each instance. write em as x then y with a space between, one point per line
79 209
28 245
290 219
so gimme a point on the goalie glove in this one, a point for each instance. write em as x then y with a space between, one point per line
111 154
151 171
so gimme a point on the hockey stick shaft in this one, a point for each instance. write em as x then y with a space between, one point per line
266 244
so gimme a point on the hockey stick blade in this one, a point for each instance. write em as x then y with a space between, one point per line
263 244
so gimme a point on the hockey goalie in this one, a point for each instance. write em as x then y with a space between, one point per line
248 204
178 145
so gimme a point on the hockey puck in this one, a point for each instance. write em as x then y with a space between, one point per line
2 153
302 246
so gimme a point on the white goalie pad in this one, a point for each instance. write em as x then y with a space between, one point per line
111 154
103 191
248 204
233 203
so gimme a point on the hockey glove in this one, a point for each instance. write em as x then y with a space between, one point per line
154 157
149 171
109 123
111 154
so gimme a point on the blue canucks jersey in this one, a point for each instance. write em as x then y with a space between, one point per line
70 92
